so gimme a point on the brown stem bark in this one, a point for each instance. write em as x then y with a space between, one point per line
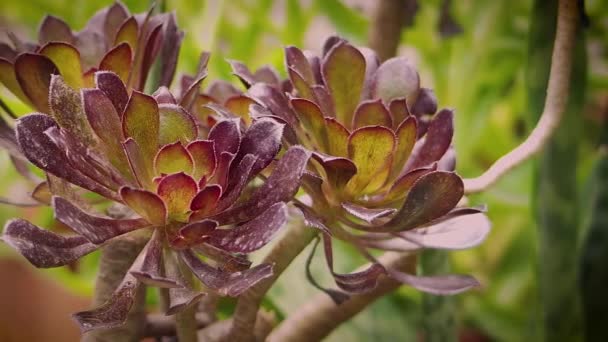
389 18
317 319
558 90
282 254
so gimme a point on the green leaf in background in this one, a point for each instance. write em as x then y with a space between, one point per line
347 21
555 202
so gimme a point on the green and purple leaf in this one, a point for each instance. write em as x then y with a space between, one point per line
146 204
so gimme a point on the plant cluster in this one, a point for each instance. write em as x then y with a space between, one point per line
207 176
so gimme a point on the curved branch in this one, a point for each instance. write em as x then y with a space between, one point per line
317 319
558 90
281 255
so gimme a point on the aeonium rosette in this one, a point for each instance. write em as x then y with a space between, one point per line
381 176
181 189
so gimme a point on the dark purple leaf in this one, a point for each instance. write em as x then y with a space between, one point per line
226 135
274 100
189 96
241 71
43 248
225 283
33 73
96 229
356 282
432 196
53 29
66 108
193 234
312 220
240 175
436 142
179 298
263 140
426 102
115 90
42 152
339 170
163 95
151 270
170 50
280 186
253 234
295 59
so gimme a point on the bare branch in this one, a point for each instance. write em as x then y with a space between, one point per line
558 90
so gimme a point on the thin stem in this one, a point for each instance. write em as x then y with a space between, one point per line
317 319
282 254
558 90
116 259
185 324
389 18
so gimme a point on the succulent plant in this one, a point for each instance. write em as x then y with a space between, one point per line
166 180
381 175
112 40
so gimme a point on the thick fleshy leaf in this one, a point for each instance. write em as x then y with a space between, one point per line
151 270
175 125
177 191
91 46
85 159
226 136
460 232
426 103
372 62
253 234
116 14
190 94
312 220
105 122
406 139
205 201
163 95
274 100
53 29
324 100
9 79
439 285
239 105
280 186
7 52
263 140
337 138
173 158
339 170
220 176
172 40
34 76
371 149
372 113
396 78
267 74
43 248
111 84
141 121
66 108
302 88
118 60
114 311
128 33
403 184
399 110
141 166
149 52
226 283
367 214
296 59
344 74
356 282
437 141
67 59
241 71
239 177
42 152
146 204
193 234
432 196
96 229
179 298
203 156
312 119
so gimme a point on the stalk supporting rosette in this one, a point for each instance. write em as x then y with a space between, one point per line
190 194
381 173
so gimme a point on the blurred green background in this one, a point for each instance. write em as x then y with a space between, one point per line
484 73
